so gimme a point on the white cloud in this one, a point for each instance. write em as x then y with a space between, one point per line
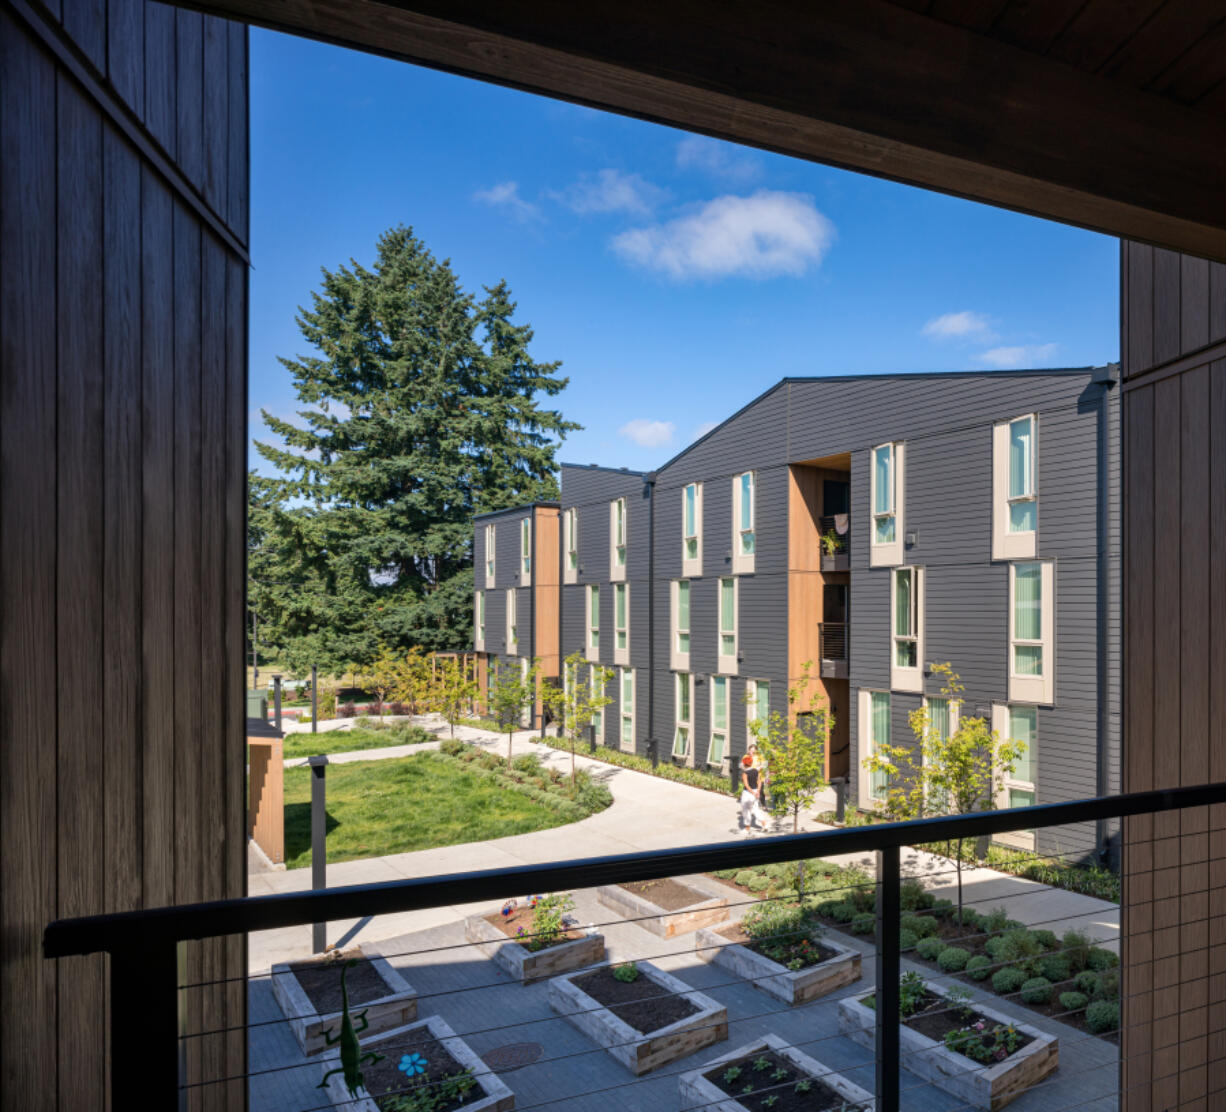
612 191
704 428
723 160
1020 356
951 325
760 236
647 433
506 195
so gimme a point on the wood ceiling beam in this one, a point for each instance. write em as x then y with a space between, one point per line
868 86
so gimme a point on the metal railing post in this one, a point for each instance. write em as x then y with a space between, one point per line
145 1016
319 834
889 968
276 699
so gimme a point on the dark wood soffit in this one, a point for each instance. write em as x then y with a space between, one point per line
867 86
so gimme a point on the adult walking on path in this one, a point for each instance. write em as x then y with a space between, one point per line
751 796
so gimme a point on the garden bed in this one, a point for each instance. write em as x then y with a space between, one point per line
495 936
991 1084
731 948
646 1023
665 907
711 1088
434 1059
309 993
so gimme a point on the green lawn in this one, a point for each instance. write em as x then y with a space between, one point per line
346 741
405 804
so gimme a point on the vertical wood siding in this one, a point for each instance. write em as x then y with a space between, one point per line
122 507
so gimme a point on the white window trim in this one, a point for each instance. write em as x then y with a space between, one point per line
491 553
591 636
908 679
512 623
525 561
617 572
679 723
570 543
890 554
1036 689
1019 839
621 655
529 709
727 730
865 744
1006 545
727 665
751 707
479 621
691 567
677 660
743 564
623 713
598 713
955 712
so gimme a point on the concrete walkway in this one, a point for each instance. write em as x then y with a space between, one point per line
647 813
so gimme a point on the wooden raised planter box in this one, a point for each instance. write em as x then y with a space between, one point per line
705 912
637 1051
527 965
699 1093
393 1009
494 1095
790 986
978 1084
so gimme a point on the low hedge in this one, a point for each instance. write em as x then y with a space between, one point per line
930 948
1103 1016
953 959
979 967
694 777
1007 980
1073 1001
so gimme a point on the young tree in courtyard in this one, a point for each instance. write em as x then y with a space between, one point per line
948 771
385 675
794 751
452 687
512 694
579 699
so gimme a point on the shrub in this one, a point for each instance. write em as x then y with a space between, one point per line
979 967
1007 980
1054 967
1108 985
1046 939
970 917
1103 1016
1073 1001
627 973
1087 981
929 948
529 763
1101 960
906 940
759 883
994 921
953 959
452 747
826 907
912 897
943 909
1076 946
843 912
864 924
922 926
1037 990
745 877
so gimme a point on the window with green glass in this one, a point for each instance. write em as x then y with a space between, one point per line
727 617
939 726
620 628
571 529
683 721
490 537
1023 506
1027 619
525 545
719 720
746 513
597 712
906 618
879 735
690 524
1023 727
593 609
619 531
481 616
627 707
683 616
883 494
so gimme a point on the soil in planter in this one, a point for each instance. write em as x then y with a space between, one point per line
321 981
667 893
819 1097
643 1004
783 950
522 917
936 1017
389 1085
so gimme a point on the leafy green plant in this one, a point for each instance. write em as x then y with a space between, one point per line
983 1044
779 1074
911 993
1073 1001
1087 981
1007 980
579 699
907 940
922 926
1036 990
979 967
770 1101
1103 1016
627 973
953 959
549 920
731 1074
863 923
803 1085
1076 947
930 948
1055 967
760 1064
1101 960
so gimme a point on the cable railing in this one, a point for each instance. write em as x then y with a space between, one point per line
882 933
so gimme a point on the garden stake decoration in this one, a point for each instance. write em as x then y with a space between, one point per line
351 1051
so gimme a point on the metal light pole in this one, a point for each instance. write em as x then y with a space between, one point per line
276 699
314 699
319 833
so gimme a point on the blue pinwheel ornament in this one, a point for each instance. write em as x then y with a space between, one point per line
412 1064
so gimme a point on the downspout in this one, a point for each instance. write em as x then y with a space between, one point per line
652 748
1104 377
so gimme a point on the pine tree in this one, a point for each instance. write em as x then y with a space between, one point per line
420 409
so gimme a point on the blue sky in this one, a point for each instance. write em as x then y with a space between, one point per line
675 277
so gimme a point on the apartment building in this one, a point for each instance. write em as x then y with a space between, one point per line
870 527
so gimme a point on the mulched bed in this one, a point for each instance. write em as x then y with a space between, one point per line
669 894
522 917
643 1004
321 981
819 1098
818 952
938 1017
385 1080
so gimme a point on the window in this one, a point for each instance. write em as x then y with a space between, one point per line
718 747
907 653
490 544
684 704
942 722
1015 497
679 650
593 622
757 707
691 529
1031 629
617 539
1019 724
727 625
621 623
744 537
570 544
525 715
874 732
479 623
597 712
625 686
886 483
512 622
525 552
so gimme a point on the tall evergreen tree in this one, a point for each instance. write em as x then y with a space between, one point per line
420 410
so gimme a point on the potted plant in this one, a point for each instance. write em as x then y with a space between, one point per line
536 938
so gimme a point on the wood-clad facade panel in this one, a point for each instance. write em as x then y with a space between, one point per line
122 506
